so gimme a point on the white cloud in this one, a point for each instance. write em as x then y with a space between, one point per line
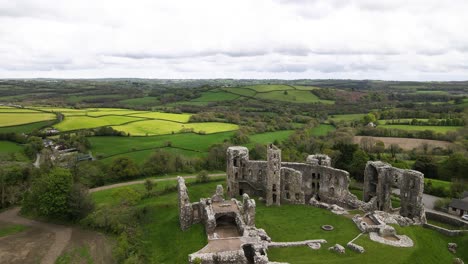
391 39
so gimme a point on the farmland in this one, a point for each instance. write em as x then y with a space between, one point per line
21 118
162 127
437 129
408 143
346 118
84 122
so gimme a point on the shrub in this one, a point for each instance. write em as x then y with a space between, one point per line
202 176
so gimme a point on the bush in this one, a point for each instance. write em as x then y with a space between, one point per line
202 176
442 204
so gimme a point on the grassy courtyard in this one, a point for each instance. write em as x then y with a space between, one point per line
164 242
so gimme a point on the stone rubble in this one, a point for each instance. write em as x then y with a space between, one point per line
452 247
337 248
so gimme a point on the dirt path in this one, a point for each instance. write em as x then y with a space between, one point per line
62 233
106 187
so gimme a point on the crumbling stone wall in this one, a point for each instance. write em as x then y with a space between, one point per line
273 180
287 182
185 207
291 186
380 178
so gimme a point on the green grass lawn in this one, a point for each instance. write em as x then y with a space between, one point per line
215 97
164 242
21 118
322 130
438 183
437 129
11 229
294 96
84 122
346 118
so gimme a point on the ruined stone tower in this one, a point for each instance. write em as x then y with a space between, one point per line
236 160
273 179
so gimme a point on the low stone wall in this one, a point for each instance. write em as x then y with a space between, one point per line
445 231
445 219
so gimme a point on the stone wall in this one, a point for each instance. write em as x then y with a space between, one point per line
445 219
185 207
273 176
379 180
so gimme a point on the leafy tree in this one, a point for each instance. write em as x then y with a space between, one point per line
149 185
123 168
427 166
54 195
33 146
358 164
160 162
344 157
455 166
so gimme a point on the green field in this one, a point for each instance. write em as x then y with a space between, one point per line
27 128
294 96
438 92
269 137
346 118
140 156
108 146
306 88
437 129
284 223
9 147
162 127
241 91
182 118
269 88
14 119
10 151
147 101
215 97
322 130
112 112
5 109
84 122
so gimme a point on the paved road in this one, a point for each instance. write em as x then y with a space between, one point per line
429 201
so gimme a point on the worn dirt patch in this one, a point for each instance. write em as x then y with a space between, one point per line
26 247
97 247
407 143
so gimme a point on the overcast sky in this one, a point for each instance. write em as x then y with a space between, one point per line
283 39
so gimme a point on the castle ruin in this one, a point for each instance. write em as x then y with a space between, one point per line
297 183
